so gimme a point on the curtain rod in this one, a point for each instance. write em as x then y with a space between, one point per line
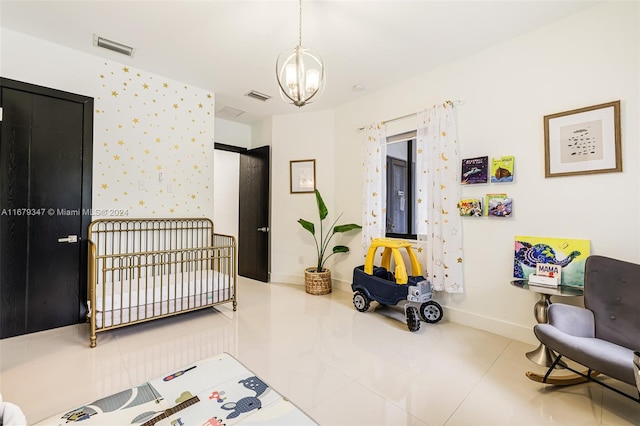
448 102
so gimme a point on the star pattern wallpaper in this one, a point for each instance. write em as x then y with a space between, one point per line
153 146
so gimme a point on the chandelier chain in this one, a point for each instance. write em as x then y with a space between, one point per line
300 23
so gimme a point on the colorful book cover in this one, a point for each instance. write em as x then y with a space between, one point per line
502 169
470 207
570 254
499 207
488 198
474 170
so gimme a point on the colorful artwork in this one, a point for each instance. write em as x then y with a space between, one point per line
568 253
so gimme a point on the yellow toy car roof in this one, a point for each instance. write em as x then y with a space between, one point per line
392 246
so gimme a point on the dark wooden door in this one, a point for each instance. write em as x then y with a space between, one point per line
253 232
45 177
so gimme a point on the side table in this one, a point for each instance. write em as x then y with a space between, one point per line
542 355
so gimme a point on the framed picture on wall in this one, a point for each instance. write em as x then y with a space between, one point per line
583 141
302 176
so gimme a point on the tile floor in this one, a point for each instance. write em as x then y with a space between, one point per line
340 366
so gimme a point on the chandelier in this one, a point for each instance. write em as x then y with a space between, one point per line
300 72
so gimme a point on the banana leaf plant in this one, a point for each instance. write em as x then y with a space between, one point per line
323 239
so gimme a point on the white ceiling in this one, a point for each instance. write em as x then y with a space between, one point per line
230 47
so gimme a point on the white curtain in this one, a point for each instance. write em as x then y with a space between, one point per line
374 171
439 227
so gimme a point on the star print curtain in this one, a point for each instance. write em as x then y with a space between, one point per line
438 222
374 171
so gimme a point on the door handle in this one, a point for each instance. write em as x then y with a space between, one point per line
264 229
69 239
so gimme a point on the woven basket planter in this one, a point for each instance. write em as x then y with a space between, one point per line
317 282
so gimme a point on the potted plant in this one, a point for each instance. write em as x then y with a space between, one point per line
317 278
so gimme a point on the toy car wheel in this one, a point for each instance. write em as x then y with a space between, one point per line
413 320
431 312
361 301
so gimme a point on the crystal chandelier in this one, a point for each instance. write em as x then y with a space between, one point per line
300 72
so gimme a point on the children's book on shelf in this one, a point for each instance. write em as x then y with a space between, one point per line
498 205
470 207
474 170
502 169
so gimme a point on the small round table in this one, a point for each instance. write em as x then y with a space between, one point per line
543 355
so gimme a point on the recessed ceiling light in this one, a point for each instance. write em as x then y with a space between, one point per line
358 87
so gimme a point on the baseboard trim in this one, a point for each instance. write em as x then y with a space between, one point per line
492 325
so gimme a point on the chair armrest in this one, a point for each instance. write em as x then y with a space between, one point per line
572 320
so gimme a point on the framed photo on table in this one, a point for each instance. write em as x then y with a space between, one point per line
583 141
302 176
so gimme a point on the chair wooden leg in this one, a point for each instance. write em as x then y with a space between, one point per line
564 380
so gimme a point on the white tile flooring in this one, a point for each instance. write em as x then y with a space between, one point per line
340 366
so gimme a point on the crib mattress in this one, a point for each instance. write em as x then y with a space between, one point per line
142 298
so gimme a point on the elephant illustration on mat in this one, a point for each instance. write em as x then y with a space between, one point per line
248 403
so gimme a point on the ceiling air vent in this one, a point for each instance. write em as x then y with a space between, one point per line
230 111
257 95
112 45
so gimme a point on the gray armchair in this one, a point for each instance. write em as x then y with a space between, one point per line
603 335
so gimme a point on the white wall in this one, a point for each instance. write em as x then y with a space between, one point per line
231 133
226 175
587 59
299 137
152 136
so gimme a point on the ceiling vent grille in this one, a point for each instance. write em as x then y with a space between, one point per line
230 111
257 95
113 45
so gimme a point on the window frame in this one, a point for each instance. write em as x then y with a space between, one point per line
410 137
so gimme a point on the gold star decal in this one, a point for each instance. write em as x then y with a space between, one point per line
199 105
193 139
172 211
157 140
136 121
101 75
165 85
195 167
176 146
209 96
104 186
193 196
419 200
175 106
141 202
145 86
159 168
459 260
116 157
146 151
114 93
125 69
121 142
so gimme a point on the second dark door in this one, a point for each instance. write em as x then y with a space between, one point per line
253 232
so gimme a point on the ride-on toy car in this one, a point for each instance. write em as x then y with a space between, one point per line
379 284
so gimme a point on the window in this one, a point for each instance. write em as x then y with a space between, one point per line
401 192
